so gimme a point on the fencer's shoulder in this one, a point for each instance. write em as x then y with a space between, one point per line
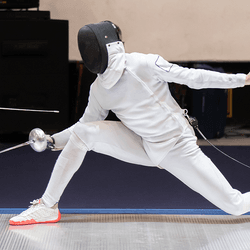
149 58
141 59
141 55
135 56
155 58
94 86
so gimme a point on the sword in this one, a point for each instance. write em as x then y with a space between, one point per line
37 140
17 146
30 110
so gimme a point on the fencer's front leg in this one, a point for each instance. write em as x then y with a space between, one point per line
66 165
113 139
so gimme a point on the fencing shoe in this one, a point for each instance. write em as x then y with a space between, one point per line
37 213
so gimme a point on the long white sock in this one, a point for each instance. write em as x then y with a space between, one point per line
66 165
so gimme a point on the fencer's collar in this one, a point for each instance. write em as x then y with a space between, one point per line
116 65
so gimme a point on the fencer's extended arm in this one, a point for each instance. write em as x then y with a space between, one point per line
59 140
195 78
62 138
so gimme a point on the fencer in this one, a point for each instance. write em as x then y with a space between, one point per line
152 130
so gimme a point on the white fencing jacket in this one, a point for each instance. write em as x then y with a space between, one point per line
135 87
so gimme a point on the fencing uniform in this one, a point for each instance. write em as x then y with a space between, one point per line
152 130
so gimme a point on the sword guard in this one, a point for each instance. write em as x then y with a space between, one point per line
39 140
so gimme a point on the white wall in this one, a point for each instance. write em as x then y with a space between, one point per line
177 29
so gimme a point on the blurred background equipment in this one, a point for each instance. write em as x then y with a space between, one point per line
210 108
19 4
34 72
214 108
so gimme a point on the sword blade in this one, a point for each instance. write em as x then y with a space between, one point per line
30 110
17 146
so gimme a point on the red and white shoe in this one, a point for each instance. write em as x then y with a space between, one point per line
37 213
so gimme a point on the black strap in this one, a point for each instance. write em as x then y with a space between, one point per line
51 145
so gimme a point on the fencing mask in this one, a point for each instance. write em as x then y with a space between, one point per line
92 41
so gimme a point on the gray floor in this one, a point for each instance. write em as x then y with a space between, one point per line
130 231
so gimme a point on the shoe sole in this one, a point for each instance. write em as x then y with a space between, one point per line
32 221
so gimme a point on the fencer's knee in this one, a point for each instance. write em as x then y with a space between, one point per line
78 142
88 133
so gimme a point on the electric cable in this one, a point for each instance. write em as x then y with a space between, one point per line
194 123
